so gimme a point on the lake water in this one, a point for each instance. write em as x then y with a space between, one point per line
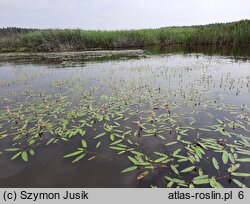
167 118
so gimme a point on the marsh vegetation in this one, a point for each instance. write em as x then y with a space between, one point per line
16 39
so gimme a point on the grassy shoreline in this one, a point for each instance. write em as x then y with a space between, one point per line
54 40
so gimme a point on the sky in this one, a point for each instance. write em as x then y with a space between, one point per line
119 14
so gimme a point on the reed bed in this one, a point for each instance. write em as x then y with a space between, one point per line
47 40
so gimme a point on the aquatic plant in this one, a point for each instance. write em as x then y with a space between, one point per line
163 121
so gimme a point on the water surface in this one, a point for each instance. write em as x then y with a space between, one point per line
166 109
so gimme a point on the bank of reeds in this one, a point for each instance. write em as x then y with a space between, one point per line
16 39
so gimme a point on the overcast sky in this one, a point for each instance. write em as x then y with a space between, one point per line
119 14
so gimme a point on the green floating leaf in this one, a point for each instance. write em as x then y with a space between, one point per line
132 168
170 184
161 159
116 142
213 182
233 168
78 158
32 152
204 129
242 185
3 136
84 143
171 143
240 174
225 157
201 181
112 137
117 148
73 154
12 149
98 144
231 157
50 141
133 160
215 163
82 132
100 135
168 178
191 186
198 153
200 171
244 160
188 169
16 155
176 152
174 169
25 156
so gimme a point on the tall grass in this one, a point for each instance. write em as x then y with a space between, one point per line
14 39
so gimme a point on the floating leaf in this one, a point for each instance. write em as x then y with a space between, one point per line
12 149
50 141
84 143
242 185
116 142
32 152
82 132
188 169
100 135
219 121
225 157
98 144
174 169
191 186
233 168
201 181
244 160
16 155
161 159
240 174
3 136
170 184
200 171
215 163
78 158
171 143
176 152
73 154
112 137
213 182
117 148
132 168
204 129
231 157
133 160
25 156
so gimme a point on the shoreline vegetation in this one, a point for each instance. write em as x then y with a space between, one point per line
63 40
